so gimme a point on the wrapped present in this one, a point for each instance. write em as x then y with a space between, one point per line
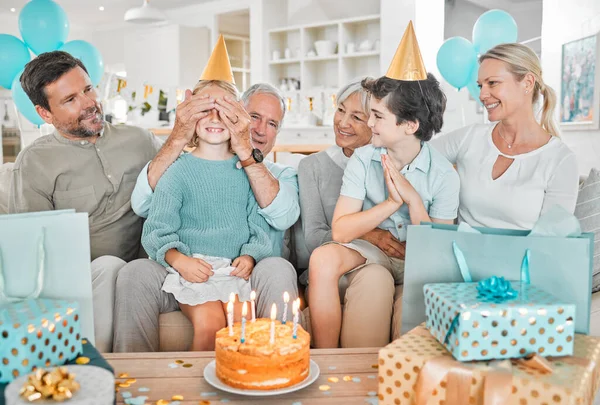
37 333
494 319
417 370
78 385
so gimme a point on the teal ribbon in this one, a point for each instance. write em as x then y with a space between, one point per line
496 288
493 287
462 263
40 273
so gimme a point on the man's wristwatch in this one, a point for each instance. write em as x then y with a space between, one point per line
255 157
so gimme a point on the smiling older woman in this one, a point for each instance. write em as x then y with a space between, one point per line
369 296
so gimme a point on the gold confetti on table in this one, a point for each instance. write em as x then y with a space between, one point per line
162 402
131 381
333 379
179 361
375 366
82 360
187 365
347 378
124 385
204 402
324 387
123 375
177 398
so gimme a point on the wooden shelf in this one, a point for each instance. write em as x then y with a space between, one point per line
161 131
298 148
321 58
284 61
11 141
361 54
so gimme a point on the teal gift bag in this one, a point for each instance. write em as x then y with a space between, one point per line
559 266
58 240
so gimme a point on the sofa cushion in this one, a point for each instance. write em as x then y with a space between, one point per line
175 332
588 213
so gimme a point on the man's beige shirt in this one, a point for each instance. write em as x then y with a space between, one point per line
55 173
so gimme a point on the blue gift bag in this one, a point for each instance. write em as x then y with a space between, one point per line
57 240
559 266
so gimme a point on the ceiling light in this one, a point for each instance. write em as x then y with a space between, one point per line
101 8
145 14
13 10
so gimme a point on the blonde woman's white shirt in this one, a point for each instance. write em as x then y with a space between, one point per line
533 183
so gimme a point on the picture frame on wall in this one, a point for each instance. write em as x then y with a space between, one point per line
580 84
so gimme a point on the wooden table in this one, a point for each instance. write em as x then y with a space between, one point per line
156 372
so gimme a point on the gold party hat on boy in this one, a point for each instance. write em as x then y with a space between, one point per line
218 66
407 63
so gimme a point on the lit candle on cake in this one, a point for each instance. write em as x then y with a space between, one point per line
273 316
230 317
286 299
253 304
296 310
244 313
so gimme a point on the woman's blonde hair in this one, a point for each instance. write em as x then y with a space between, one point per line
201 85
522 60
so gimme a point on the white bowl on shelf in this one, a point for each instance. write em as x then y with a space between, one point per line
325 48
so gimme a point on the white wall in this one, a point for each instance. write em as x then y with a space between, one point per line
562 24
309 11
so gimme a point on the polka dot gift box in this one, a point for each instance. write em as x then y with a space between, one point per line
497 319
37 333
417 370
473 326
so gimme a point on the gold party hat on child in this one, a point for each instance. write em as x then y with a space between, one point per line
407 63
218 66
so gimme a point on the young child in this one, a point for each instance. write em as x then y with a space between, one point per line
396 181
204 226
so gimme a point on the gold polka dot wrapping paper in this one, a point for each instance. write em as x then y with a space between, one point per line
37 333
404 378
473 327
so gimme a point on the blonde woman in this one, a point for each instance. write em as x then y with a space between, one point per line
515 169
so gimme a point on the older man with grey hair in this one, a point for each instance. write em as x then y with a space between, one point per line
139 300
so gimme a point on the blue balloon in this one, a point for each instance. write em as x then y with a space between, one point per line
89 55
455 60
13 57
23 103
43 25
472 86
494 27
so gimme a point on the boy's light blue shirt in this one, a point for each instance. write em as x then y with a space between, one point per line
430 173
281 214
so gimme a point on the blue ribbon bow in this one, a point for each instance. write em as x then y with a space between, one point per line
496 288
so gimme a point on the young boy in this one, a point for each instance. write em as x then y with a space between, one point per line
396 181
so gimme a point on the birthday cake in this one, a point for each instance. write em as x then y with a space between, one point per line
261 363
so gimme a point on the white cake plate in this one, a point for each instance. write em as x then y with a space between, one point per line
210 375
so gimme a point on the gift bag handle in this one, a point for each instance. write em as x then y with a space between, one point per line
466 273
467 278
41 253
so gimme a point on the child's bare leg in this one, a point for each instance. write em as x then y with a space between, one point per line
327 264
207 319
